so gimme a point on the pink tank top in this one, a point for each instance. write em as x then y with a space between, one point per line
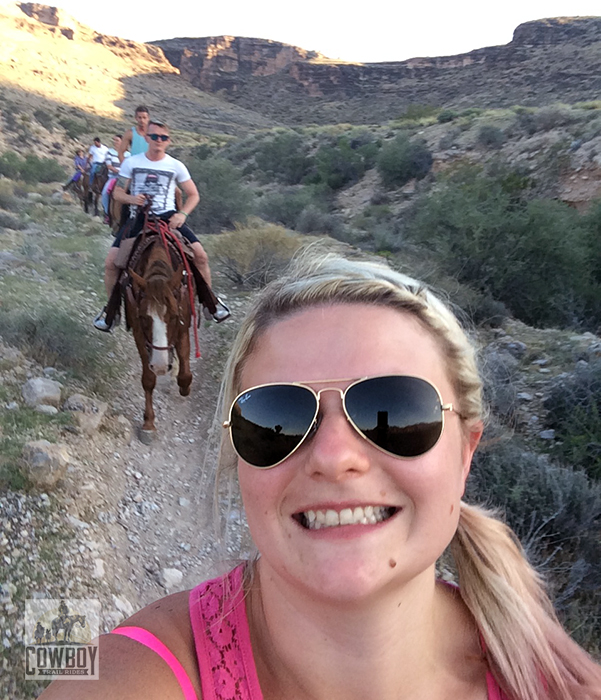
222 638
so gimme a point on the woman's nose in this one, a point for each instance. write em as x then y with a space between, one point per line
336 451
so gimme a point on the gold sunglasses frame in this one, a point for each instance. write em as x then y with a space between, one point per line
313 426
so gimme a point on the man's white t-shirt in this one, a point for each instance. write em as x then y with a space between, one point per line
156 178
98 153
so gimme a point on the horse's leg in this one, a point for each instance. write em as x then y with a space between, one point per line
182 348
148 376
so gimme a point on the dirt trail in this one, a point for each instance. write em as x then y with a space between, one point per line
147 500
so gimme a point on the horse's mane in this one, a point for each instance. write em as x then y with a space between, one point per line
157 273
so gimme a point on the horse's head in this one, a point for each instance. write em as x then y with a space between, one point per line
158 294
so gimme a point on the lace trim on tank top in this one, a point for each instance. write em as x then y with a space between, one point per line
222 637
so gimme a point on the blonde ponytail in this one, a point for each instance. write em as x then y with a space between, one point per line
528 651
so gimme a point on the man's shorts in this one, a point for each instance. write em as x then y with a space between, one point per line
129 230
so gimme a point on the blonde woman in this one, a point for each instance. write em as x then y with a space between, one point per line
353 406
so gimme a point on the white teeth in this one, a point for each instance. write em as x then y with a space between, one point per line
332 518
369 515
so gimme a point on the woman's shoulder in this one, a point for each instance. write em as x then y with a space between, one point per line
131 669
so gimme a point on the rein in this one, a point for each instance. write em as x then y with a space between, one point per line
166 234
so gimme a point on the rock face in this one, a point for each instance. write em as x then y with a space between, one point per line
547 61
45 463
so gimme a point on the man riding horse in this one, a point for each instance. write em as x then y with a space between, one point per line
153 175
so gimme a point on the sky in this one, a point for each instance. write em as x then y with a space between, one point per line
371 31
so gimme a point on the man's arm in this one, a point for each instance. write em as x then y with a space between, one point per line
192 199
120 193
124 145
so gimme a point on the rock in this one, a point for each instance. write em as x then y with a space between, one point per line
13 405
183 502
515 348
171 578
45 463
547 434
98 571
123 605
48 410
525 396
87 412
41 391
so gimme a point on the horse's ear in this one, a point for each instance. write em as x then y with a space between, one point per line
139 282
176 278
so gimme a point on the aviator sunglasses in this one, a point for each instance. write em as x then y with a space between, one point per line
158 137
400 415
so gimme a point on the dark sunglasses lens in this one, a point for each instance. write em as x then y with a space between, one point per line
401 415
269 423
158 137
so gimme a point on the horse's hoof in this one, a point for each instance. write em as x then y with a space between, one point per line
147 437
184 390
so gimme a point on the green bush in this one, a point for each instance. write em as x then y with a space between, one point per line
446 115
284 158
417 111
54 337
556 513
31 169
7 196
74 128
36 169
490 136
340 164
574 412
531 255
286 207
10 164
312 219
43 118
223 198
401 160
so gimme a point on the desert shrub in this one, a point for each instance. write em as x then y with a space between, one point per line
36 169
556 513
43 118
223 198
74 128
31 169
55 337
418 111
446 115
553 116
490 136
401 160
7 196
10 164
340 164
284 158
202 151
11 221
312 219
530 255
254 255
285 207
574 411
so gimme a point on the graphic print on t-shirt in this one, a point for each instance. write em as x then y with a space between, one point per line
156 184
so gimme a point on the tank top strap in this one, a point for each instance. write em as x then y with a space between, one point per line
138 143
222 638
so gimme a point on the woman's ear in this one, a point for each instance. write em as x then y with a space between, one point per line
472 435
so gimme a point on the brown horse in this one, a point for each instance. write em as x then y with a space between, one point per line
96 187
158 309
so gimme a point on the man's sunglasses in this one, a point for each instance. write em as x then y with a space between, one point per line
159 137
400 415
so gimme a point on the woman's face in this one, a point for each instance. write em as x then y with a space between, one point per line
337 470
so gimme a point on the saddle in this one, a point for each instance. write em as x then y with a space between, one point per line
134 243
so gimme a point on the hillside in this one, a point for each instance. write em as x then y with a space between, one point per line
549 60
48 60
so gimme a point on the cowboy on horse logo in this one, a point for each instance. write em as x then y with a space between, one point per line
59 639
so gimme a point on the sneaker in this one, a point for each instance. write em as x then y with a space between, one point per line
221 312
101 324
